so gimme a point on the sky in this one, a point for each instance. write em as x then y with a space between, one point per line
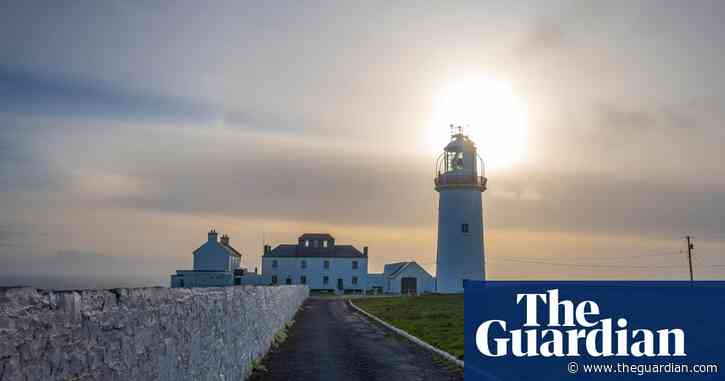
129 129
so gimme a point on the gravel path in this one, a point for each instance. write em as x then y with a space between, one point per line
331 341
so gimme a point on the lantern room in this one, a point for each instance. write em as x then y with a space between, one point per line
459 165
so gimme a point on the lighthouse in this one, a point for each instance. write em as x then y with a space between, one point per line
460 182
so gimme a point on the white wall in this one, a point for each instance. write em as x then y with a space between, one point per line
254 279
202 279
460 255
142 333
377 280
340 268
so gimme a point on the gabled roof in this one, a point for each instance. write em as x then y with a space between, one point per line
394 269
337 251
228 248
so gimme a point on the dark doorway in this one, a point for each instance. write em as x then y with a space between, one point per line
339 284
288 281
409 285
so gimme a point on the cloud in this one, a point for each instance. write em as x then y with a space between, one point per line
613 115
542 38
6 238
28 92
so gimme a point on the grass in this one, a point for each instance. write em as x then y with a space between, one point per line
277 340
282 334
435 319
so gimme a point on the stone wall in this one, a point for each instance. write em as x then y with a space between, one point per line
140 334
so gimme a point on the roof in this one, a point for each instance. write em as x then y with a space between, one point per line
337 251
228 248
316 236
460 143
394 269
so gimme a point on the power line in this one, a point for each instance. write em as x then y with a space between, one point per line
644 255
592 265
673 253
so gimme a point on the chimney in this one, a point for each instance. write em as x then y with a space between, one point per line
225 239
365 251
212 235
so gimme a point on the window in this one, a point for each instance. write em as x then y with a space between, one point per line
316 243
325 279
303 264
464 228
274 279
181 282
324 243
307 243
288 281
454 161
326 264
303 279
274 264
354 280
354 265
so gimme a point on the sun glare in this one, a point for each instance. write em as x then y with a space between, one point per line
490 113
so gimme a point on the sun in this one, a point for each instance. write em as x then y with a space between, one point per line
490 113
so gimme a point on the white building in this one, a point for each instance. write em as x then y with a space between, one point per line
317 262
460 182
216 263
402 278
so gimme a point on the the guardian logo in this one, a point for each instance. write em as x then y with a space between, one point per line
580 325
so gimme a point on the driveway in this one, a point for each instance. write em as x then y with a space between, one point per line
331 341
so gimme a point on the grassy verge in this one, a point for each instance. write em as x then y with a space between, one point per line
435 319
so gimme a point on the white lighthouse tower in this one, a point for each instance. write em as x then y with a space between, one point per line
460 181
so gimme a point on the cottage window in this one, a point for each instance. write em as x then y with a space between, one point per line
307 243
274 264
325 279
303 279
464 228
288 281
316 243
354 280
324 243
326 265
274 279
303 264
354 265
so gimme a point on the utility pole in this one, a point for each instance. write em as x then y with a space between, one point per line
690 246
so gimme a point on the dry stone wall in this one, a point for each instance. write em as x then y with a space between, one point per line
140 334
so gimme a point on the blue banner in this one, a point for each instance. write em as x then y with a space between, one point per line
598 330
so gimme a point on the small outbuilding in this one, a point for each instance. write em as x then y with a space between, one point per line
402 278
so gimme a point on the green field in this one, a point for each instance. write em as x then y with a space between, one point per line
435 319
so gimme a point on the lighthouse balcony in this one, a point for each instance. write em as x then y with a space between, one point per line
449 181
